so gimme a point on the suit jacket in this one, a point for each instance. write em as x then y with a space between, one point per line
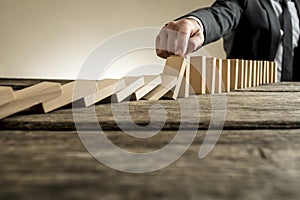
250 29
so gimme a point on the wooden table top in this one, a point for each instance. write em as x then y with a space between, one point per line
256 157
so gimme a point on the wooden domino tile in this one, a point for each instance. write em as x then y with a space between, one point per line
240 74
254 72
151 82
234 69
261 72
225 76
271 72
257 73
168 83
210 75
132 85
201 74
69 95
105 89
267 72
197 75
275 74
265 67
176 66
246 74
218 76
186 82
29 97
250 75
7 95
184 90
60 101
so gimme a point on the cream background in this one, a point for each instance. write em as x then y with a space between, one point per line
52 38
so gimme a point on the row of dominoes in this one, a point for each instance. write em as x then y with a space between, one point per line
180 78
212 75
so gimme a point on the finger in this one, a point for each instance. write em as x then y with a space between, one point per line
182 44
195 42
163 39
172 41
157 41
161 44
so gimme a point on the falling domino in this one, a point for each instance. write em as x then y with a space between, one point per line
176 66
151 82
132 85
184 90
168 83
29 97
71 92
105 89
7 95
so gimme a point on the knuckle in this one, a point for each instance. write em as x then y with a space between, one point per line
184 30
185 27
193 45
201 40
171 24
185 21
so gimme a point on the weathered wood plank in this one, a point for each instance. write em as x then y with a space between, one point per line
260 160
260 164
275 87
244 110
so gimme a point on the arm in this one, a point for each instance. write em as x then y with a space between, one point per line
184 35
221 18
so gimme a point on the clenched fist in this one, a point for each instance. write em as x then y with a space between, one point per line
179 38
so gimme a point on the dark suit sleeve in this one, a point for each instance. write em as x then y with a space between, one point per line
219 19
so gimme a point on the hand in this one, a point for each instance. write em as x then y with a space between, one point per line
179 38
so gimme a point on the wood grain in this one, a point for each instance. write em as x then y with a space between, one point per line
263 109
262 164
256 157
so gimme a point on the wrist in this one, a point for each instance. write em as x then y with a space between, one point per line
197 22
